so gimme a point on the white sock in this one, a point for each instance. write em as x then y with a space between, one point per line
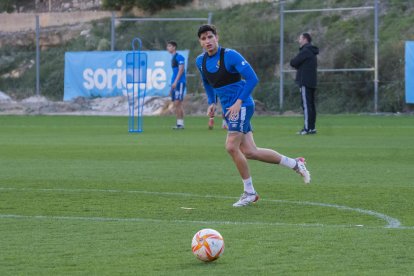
180 122
287 162
248 185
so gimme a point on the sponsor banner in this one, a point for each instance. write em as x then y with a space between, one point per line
103 74
409 72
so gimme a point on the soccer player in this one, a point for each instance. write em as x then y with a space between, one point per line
178 83
228 75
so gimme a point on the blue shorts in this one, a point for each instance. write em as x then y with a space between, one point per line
177 94
241 122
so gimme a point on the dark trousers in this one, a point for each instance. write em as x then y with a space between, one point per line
308 106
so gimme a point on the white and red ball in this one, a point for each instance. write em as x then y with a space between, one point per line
207 245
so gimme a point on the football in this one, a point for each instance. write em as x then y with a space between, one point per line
207 245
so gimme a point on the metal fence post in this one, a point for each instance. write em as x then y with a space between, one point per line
376 57
37 57
281 12
113 31
210 18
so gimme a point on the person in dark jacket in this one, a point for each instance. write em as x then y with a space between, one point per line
305 63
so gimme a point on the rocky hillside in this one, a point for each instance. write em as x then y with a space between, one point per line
345 40
114 106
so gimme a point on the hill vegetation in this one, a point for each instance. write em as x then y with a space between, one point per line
346 40
147 5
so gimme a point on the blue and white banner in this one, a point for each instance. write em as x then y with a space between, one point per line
409 72
103 74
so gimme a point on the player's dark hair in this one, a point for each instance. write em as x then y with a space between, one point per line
172 42
307 36
206 28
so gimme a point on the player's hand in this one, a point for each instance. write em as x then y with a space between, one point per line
174 85
211 110
234 110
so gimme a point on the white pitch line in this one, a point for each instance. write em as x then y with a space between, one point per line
149 220
106 219
391 222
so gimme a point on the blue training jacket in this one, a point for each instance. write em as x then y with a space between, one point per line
228 94
177 60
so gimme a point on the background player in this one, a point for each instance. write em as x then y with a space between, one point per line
178 83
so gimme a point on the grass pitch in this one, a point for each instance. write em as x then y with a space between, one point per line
80 195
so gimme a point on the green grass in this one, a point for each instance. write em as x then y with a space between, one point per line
80 195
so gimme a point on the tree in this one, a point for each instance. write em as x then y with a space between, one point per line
7 6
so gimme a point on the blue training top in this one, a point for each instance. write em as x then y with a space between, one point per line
234 63
177 60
